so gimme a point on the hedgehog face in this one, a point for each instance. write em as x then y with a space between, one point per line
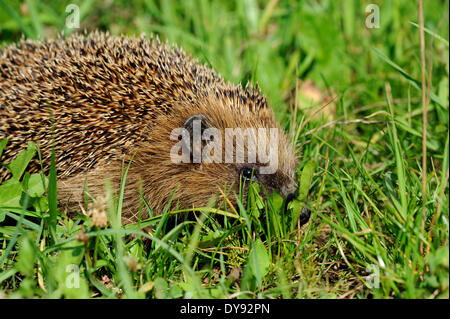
210 151
258 153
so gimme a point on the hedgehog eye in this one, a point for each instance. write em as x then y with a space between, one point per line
248 173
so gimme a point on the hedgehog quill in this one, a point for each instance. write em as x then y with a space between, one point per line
117 98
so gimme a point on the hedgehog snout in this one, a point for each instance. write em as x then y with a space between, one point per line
288 189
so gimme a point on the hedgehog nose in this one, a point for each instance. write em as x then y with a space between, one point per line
304 215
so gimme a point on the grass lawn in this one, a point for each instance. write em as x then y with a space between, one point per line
348 91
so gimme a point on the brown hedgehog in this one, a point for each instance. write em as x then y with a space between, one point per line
113 99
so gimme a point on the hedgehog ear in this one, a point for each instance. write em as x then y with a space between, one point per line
195 125
189 124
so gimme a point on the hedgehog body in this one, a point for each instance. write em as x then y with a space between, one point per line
105 100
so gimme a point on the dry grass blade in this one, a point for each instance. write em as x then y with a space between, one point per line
424 114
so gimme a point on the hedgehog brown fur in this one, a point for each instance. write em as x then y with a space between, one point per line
114 97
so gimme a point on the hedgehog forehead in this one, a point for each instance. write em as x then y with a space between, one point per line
226 114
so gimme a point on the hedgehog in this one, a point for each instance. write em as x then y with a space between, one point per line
106 101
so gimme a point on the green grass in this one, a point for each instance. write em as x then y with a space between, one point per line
365 195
